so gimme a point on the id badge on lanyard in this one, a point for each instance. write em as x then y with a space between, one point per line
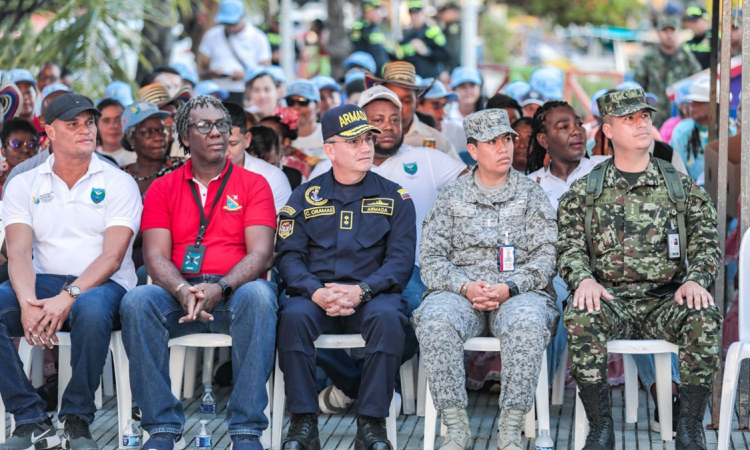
506 256
673 242
192 262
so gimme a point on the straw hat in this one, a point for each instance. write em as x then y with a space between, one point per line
10 101
159 95
400 73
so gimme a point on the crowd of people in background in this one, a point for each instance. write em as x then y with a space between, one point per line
430 128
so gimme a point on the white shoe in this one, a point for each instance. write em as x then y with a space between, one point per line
332 400
509 430
458 435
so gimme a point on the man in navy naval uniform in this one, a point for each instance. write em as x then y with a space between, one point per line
346 252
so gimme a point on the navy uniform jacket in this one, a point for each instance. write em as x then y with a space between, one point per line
371 238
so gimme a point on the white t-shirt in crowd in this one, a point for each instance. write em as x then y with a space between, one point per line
122 157
312 144
555 187
250 44
418 132
422 171
279 183
69 224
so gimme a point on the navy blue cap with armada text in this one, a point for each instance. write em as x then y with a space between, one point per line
347 121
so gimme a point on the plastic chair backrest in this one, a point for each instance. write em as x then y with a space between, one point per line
744 297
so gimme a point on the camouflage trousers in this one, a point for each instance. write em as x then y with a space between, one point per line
696 333
524 324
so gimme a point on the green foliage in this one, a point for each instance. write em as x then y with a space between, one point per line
581 12
495 35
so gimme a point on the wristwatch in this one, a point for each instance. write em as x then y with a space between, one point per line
226 289
513 288
366 294
74 291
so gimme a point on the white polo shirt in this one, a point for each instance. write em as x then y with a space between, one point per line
422 171
250 44
555 187
418 132
276 178
69 224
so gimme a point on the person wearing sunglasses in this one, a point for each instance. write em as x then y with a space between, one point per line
20 142
303 97
208 230
345 247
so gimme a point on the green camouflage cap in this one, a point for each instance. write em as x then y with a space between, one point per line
622 103
487 124
669 22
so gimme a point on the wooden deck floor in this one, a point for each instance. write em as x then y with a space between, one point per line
338 431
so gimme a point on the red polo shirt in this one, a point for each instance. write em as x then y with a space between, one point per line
247 201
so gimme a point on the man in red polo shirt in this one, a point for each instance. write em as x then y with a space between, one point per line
208 231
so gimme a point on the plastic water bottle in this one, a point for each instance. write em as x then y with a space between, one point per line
543 441
208 404
131 435
203 440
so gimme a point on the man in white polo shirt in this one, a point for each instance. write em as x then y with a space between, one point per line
69 226
422 172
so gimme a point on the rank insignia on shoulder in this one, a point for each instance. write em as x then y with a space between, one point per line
286 228
287 210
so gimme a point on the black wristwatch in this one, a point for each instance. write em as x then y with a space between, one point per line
366 294
226 290
513 288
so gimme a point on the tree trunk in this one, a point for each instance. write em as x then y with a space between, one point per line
339 46
156 47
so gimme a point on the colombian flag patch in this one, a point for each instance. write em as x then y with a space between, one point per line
404 195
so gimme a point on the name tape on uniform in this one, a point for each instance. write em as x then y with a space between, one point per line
377 206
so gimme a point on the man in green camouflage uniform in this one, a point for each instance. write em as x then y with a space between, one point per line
630 224
665 65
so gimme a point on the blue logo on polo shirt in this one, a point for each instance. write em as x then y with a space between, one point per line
410 168
97 195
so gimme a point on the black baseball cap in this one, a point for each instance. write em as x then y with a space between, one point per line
67 106
347 121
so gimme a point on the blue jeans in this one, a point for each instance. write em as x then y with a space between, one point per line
558 343
95 313
647 370
346 372
150 317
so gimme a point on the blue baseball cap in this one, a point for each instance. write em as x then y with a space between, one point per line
594 98
532 97
120 91
516 89
54 87
187 73
139 111
325 82
19 76
347 121
548 80
208 88
353 74
277 73
464 74
438 90
628 85
305 89
230 12
254 73
361 59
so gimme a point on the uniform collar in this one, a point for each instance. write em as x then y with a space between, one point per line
470 193
188 169
369 187
650 177
95 165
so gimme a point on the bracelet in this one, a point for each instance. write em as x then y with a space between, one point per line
179 287
464 288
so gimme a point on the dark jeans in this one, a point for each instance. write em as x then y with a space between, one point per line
94 315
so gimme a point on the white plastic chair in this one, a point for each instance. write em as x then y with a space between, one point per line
662 351
345 341
490 344
209 341
739 350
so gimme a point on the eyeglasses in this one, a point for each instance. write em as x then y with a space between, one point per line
357 142
30 146
302 102
149 132
205 127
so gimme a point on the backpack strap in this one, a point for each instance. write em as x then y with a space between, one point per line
594 184
677 196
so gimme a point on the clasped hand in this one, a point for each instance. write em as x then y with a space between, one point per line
199 301
338 299
42 319
486 297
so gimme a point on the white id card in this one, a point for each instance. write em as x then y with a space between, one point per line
506 258
673 244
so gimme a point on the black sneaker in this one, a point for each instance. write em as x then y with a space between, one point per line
39 436
656 427
76 435
303 433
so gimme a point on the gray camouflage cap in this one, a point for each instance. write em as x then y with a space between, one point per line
487 124
622 103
